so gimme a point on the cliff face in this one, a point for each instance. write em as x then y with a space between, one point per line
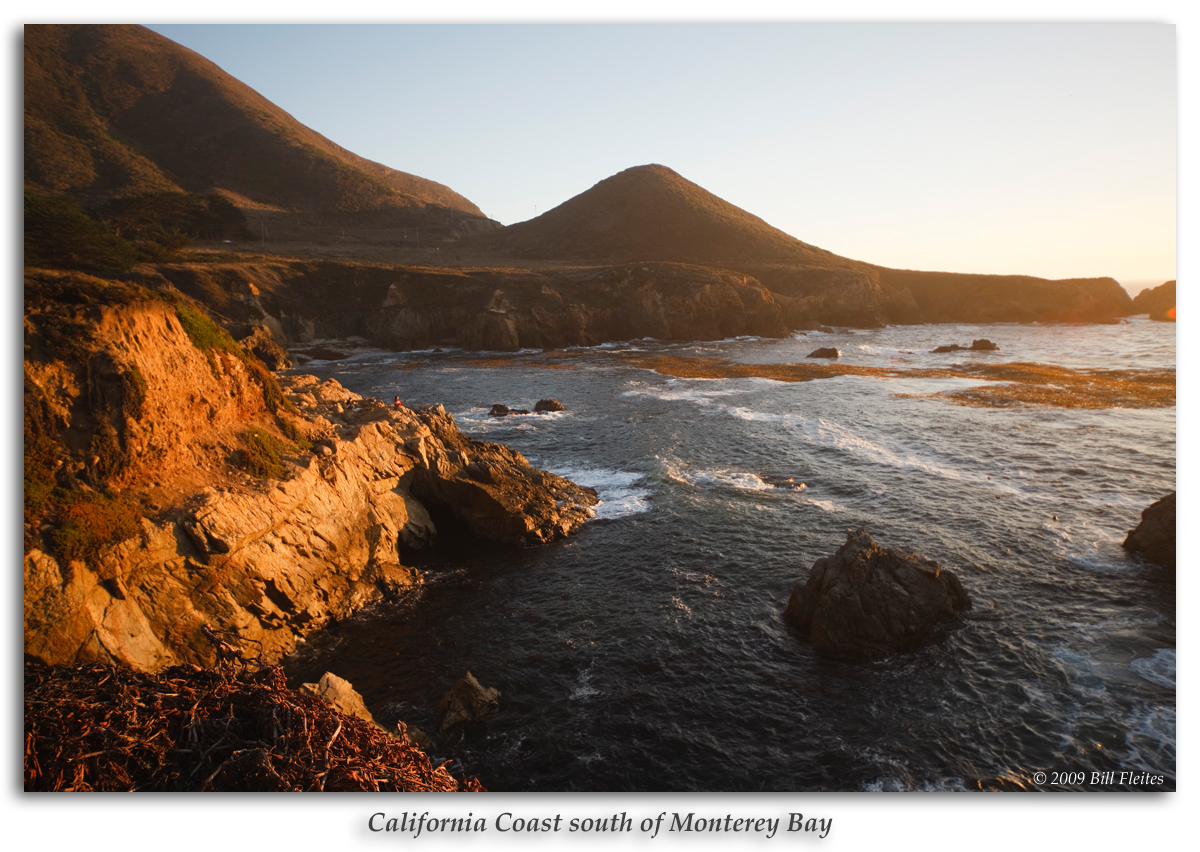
483 309
258 515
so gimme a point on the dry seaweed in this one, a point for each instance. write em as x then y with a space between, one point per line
228 728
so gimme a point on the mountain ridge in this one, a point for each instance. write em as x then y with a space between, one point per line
114 110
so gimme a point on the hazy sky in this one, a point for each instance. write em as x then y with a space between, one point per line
1041 149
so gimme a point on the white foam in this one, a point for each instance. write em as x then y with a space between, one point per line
1158 668
826 505
674 392
724 479
616 489
583 688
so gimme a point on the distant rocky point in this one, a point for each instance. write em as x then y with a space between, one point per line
1159 302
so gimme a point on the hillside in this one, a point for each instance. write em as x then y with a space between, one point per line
118 111
651 213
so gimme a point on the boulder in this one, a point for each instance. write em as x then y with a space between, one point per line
825 352
341 695
868 602
1154 537
323 353
467 700
548 405
499 410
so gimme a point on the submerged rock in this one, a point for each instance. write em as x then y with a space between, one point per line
867 602
467 700
1154 537
825 352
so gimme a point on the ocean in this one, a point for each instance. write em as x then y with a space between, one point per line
648 651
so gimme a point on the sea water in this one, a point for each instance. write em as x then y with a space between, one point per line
649 652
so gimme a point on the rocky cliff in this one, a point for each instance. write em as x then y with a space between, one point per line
171 483
479 308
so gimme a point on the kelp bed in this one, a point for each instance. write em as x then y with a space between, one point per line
229 728
1011 383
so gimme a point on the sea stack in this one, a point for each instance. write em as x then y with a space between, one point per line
868 602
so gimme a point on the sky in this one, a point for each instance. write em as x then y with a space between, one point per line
1040 149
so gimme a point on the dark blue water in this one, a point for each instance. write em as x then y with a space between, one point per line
648 651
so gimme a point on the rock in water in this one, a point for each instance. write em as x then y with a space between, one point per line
499 410
1154 538
825 352
981 345
467 700
867 602
548 405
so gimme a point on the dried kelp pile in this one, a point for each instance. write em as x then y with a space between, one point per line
229 728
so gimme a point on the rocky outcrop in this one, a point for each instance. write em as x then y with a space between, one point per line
275 560
467 700
548 405
867 602
982 345
825 352
1159 302
263 557
1154 537
260 343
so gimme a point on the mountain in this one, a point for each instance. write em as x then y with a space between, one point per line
118 111
652 213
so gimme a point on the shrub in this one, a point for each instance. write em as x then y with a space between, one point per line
263 456
134 387
209 337
293 434
89 521
205 334
60 235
